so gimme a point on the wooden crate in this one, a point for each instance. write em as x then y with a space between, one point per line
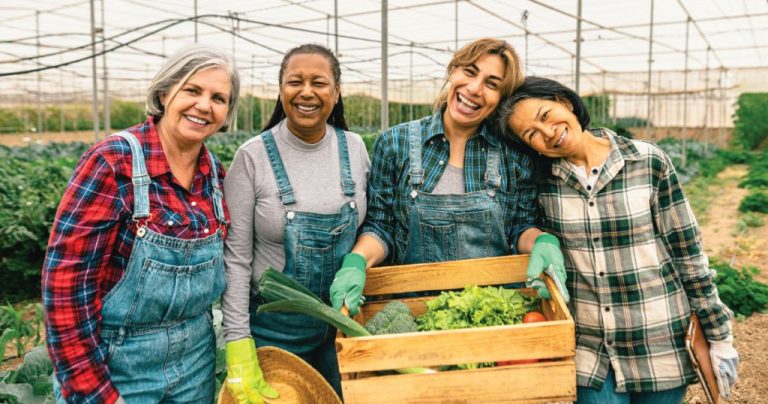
553 343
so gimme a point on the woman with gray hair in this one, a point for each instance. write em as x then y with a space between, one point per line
135 255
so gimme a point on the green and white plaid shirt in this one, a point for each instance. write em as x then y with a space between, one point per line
636 269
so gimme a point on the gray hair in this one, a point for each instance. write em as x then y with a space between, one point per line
185 63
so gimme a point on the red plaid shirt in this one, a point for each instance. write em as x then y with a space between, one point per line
91 241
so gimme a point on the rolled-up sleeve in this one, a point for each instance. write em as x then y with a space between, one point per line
380 218
522 207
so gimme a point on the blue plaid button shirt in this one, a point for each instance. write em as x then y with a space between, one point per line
388 216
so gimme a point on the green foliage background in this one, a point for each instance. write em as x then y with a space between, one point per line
751 120
363 115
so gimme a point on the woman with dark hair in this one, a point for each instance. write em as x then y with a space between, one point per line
297 195
636 267
444 187
134 258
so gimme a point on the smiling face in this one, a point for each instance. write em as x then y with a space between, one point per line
474 92
197 109
548 127
308 93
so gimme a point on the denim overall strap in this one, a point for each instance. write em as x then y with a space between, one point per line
283 185
218 195
141 179
492 176
347 183
315 245
416 170
456 226
156 321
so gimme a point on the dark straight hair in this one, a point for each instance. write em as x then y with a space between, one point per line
541 88
336 118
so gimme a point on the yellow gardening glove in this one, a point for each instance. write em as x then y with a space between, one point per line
245 381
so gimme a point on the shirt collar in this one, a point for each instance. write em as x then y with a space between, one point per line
437 128
156 161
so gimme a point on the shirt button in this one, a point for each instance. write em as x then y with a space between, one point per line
444 140
205 231
589 188
596 239
602 273
591 203
607 309
170 223
609 342
193 203
594 171
431 142
441 162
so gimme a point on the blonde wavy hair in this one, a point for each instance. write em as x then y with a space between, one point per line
471 52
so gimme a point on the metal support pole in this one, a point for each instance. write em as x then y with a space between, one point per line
235 29
107 113
37 97
384 66
707 104
253 92
456 25
95 88
262 103
650 63
195 21
336 27
61 100
685 92
722 107
603 102
524 19
578 49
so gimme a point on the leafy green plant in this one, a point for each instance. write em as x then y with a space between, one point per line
750 126
748 220
754 202
758 173
31 383
19 331
475 306
739 290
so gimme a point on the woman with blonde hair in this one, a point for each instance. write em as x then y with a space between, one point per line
444 187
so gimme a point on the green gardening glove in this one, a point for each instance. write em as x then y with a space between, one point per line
245 381
347 286
546 257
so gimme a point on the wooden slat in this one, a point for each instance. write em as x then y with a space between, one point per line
445 275
540 382
551 339
555 308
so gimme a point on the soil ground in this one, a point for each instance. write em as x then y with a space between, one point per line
748 248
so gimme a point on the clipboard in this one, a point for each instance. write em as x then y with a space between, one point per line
698 351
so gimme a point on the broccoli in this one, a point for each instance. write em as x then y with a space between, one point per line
394 318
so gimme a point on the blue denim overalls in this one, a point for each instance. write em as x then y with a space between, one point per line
315 245
453 227
156 321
